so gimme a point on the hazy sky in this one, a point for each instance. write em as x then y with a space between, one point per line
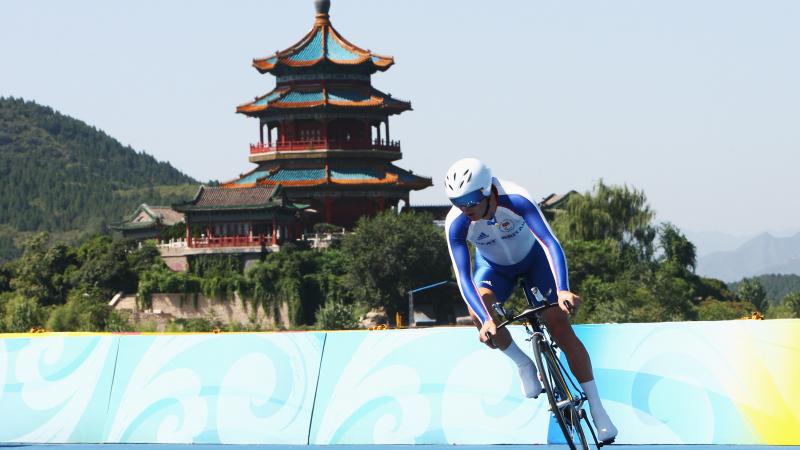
695 102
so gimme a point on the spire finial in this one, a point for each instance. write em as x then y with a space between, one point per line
323 6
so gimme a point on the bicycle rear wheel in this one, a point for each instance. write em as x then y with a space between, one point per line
562 402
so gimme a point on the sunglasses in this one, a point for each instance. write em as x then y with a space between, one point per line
468 200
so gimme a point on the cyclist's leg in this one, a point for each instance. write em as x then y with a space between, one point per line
557 322
493 286
558 325
495 283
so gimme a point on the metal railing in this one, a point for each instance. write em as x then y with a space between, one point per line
325 144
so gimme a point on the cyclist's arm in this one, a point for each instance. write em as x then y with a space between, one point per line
529 211
456 231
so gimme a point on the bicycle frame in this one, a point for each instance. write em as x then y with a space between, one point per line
565 397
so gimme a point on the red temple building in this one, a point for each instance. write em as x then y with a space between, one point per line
324 130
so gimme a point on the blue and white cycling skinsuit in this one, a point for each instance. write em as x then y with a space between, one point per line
516 242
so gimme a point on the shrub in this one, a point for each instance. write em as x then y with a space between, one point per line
22 314
711 309
337 316
85 310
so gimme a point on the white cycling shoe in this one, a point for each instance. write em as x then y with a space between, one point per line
531 386
606 431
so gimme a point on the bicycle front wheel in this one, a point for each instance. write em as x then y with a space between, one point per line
562 403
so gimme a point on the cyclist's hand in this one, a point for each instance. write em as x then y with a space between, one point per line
568 302
488 331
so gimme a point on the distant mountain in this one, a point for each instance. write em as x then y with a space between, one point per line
763 254
64 176
708 242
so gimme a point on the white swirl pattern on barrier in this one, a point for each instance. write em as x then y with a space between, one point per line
693 375
363 380
151 383
70 395
252 384
500 408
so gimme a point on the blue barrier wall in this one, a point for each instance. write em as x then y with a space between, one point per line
693 383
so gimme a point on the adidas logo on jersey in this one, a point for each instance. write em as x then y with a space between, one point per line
482 236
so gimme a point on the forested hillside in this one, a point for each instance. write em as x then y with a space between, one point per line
775 286
66 177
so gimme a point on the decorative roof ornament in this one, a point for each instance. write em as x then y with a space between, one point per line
323 44
323 7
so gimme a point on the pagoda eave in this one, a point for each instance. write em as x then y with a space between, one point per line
334 186
331 106
370 63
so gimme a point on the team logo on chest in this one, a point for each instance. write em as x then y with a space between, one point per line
506 225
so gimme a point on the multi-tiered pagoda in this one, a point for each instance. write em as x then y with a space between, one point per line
324 130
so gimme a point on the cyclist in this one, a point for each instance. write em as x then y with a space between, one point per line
513 240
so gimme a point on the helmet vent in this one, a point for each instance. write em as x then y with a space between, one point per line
461 184
469 177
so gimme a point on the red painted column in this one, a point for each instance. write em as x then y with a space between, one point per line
188 235
328 210
274 232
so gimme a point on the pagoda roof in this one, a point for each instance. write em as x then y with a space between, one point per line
556 201
327 95
336 174
323 44
235 197
146 216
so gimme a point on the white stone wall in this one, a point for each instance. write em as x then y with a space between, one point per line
194 306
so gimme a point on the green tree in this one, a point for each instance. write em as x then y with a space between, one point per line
609 212
792 303
42 273
676 247
674 293
752 291
390 254
609 237
103 265
85 310
142 257
712 288
22 314
6 273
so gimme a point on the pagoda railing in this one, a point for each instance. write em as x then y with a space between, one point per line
230 241
325 144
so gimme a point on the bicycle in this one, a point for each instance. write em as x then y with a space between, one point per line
566 403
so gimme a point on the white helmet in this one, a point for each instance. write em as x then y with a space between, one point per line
468 181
